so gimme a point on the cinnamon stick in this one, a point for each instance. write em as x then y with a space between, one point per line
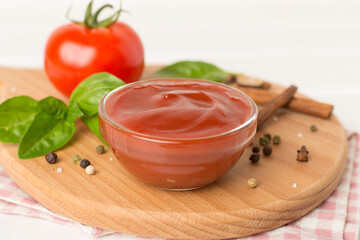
279 101
233 79
263 85
300 105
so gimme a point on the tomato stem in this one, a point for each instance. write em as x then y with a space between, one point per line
91 20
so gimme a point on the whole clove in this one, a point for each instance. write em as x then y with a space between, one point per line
302 154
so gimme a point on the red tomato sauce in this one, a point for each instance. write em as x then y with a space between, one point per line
174 109
176 133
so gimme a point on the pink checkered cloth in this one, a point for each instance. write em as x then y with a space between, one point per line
337 218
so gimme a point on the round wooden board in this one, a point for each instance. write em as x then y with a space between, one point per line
114 200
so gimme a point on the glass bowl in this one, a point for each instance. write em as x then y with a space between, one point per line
177 163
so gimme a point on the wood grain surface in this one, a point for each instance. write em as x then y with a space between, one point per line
114 200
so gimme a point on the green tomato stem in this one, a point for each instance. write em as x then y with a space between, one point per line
91 20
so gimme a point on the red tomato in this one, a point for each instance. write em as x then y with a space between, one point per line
74 52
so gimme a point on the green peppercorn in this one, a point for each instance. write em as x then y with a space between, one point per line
267 150
51 157
276 140
76 159
84 163
255 157
255 149
100 149
264 141
313 128
268 136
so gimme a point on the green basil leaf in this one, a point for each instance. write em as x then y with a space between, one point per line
93 124
74 112
16 115
193 69
88 94
52 106
48 131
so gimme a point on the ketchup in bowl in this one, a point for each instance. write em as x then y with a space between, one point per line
177 134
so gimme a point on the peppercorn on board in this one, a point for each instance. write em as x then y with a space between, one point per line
112 199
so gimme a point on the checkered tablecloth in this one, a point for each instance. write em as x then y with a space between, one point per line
336 218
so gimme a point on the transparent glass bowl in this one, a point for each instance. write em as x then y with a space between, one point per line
177 164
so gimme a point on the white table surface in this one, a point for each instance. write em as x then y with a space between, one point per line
312 44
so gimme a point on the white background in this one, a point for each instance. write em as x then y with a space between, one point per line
312 44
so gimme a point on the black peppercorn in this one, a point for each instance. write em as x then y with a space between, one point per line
84 163
255 157
51 157
267 151
255 149
268 136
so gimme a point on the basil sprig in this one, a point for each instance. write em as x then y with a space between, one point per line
47 125
193 69
51 129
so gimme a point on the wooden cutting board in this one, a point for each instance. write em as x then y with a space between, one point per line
114 200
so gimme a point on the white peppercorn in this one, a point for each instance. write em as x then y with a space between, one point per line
252 183
90 170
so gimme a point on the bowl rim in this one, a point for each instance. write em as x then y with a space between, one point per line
249 122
